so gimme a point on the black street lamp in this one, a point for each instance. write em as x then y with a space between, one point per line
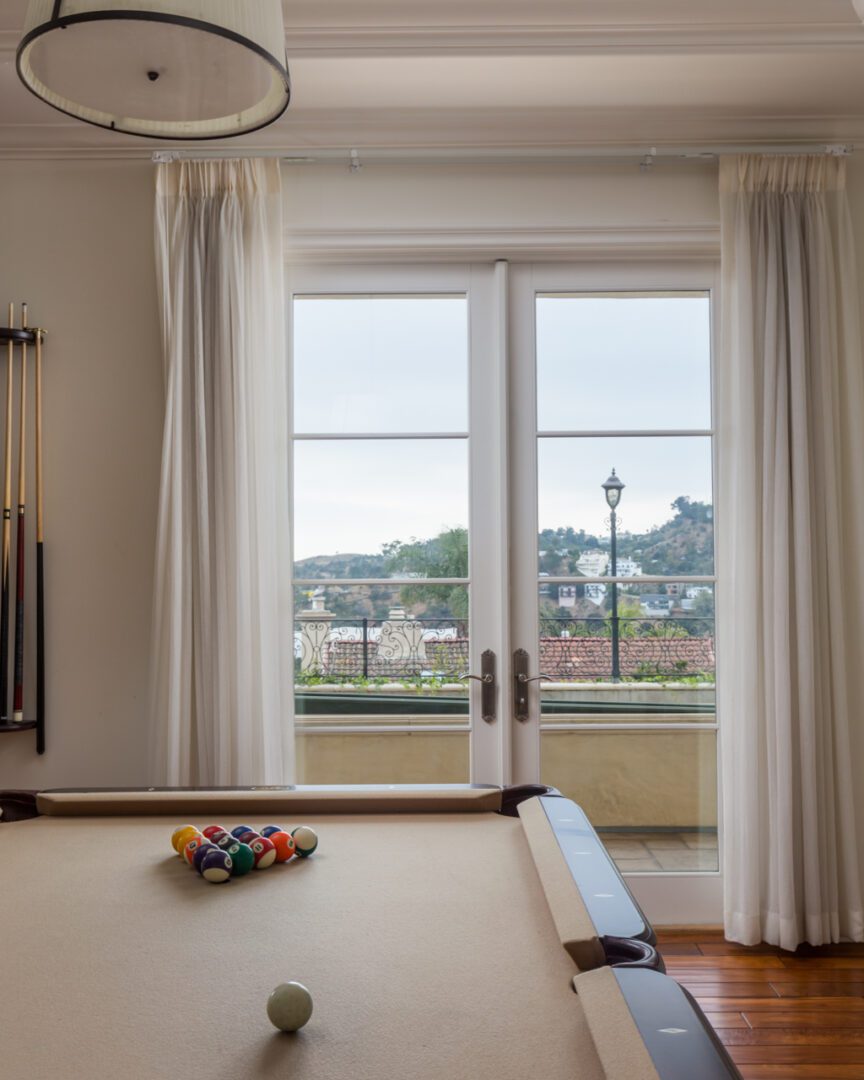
613 488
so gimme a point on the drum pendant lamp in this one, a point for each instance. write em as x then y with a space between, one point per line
163 69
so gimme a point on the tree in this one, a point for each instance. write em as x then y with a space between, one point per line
444 555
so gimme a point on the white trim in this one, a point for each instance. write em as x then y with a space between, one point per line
606 243
304 728
395 581
647 433
392 38
589 729
641 579
338 436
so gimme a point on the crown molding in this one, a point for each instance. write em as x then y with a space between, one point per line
605 243
566 39
546 39
304 133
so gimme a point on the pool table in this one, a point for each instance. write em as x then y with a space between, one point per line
444 933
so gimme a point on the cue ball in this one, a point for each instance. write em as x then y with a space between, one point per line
289 1006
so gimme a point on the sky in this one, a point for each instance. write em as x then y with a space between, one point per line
400 365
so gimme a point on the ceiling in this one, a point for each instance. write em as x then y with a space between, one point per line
511 74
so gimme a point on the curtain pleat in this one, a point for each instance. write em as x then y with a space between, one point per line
790 592
222 644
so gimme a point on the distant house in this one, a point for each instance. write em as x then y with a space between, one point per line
592 563
567 596
656 605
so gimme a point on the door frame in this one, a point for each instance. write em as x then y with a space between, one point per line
485 286
670 897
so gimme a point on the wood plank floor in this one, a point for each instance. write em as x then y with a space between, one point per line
783 1016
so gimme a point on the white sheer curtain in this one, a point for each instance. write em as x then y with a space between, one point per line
791 593
222 646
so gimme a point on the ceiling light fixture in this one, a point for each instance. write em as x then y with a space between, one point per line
163 69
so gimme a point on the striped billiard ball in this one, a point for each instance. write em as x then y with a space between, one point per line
215 866
263 850
200 852
211 829
268 829
305 840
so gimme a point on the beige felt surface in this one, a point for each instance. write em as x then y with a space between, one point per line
619 1044
426 942
455 798
575 926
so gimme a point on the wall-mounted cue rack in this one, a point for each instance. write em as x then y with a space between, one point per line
19 344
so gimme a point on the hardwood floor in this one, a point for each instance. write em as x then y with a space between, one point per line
783 1016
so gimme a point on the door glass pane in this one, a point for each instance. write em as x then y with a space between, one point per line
652 795
629 663
665 517
623 362
355 499
378 698
663 636
380 364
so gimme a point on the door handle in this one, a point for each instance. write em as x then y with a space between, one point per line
486 678
521 679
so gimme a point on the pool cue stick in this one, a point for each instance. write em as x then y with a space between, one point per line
18 684
40 576
7 536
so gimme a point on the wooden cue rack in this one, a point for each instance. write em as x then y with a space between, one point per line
21 343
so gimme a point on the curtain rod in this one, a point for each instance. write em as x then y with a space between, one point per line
646 156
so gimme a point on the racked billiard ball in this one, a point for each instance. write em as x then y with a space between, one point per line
215 866
242 857
284 844
263 850
200 852
305 840
181 837
192 846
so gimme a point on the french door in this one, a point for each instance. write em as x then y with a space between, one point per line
470 601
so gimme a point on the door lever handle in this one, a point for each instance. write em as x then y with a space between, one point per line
488 687
522 679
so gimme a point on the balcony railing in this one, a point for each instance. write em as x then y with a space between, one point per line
571 649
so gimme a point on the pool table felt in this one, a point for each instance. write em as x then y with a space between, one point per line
426 941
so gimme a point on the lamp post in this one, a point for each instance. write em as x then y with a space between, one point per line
613 488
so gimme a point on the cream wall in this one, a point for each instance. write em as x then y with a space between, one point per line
76 243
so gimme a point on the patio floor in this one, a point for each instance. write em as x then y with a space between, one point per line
658 851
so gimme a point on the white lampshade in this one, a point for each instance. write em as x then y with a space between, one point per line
165 69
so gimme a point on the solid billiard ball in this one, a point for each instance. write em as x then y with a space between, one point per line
215 866
211 829
200 852
289 1006
247 835
268 829
242 858
305 840
192 846
284 844
181 837
238 830
263 850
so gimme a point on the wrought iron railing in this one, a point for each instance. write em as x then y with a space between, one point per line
571 649
649 647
